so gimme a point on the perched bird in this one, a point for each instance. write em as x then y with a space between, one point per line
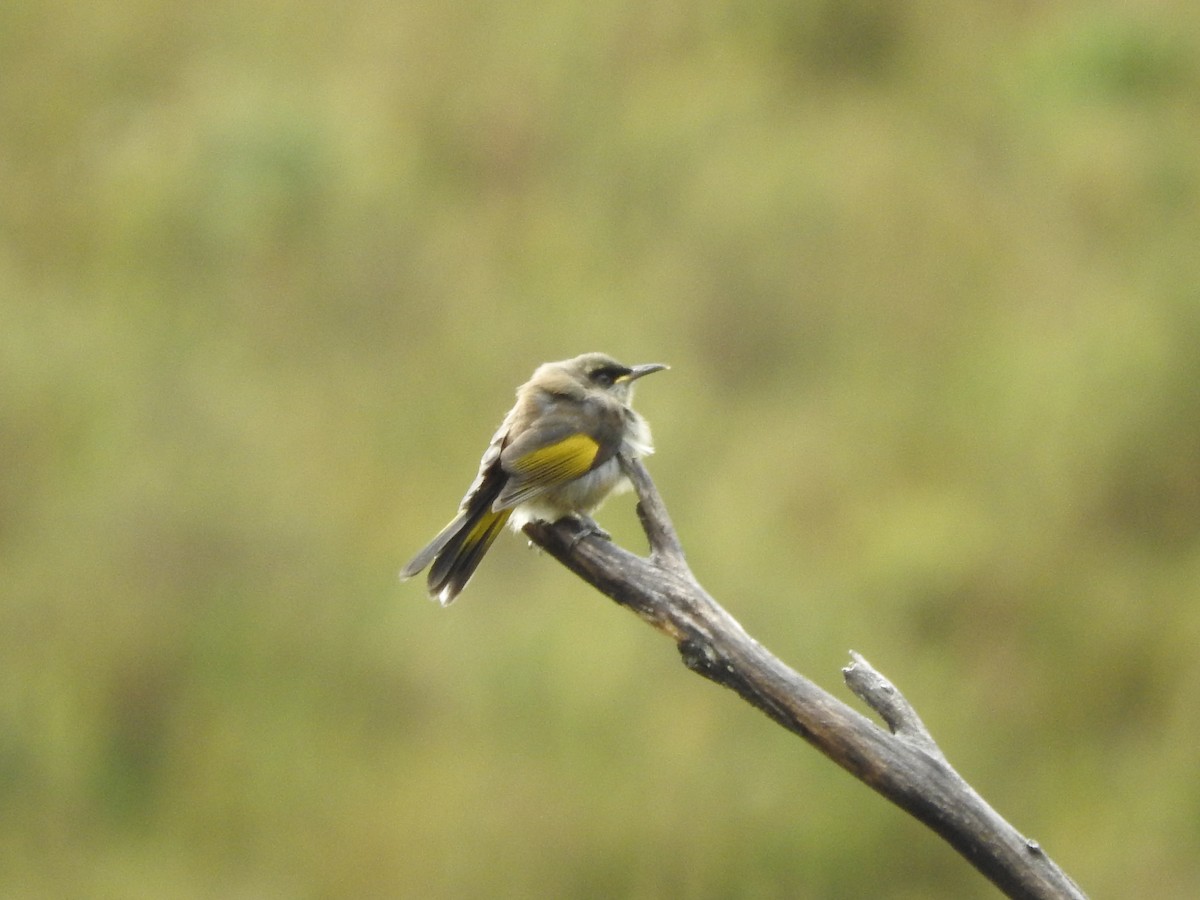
554 455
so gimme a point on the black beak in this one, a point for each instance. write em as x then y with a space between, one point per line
638 371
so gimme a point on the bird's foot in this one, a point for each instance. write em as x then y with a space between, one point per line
586 527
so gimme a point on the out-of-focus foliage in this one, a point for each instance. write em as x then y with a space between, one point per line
928 278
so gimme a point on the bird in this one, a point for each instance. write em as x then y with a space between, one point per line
554 455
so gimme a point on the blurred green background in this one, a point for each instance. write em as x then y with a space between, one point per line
928 277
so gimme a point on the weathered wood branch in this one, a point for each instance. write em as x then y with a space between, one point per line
903 762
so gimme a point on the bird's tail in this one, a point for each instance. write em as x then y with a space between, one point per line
457 550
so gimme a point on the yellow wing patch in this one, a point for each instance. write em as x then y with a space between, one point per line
557 463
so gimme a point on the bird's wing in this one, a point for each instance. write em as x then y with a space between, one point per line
547 455
544 460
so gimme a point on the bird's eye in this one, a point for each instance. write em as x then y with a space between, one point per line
603 377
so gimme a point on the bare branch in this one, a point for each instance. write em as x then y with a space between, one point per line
881 695
904 764
665 546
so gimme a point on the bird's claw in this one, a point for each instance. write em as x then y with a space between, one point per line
587 527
